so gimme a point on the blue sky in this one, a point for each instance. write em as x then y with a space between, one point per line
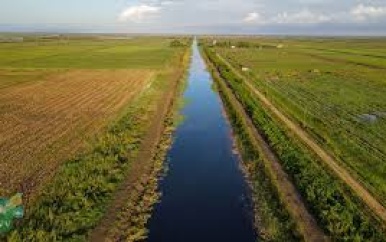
197 16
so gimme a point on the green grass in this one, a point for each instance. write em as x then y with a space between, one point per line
88 54
328 97
31 61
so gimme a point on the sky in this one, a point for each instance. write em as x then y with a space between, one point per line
313 17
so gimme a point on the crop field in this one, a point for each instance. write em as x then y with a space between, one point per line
335 89
73 115
339 102
55 96
87 53
46 122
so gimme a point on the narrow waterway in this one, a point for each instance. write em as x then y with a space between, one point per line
204 193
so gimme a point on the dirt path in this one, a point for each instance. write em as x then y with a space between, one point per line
342 173
142 164
288 193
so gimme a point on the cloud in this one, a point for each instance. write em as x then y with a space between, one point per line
303 17
252 17
138 13
207 15
363 12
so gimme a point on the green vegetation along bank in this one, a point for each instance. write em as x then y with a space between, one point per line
337 211
272 220
334 88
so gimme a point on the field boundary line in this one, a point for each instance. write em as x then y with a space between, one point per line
287 191
341 172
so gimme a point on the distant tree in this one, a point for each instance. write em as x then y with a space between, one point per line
176 43
243 44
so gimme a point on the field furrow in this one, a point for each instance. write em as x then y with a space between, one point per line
69 107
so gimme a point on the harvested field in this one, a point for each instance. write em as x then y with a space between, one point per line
11 77
44 123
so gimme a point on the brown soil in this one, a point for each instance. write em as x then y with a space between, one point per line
44 123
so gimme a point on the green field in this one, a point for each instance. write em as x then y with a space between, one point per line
327 98
37 58
87 53
335 88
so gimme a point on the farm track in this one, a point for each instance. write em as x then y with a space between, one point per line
141 165
342 173
288 193
304 98
37 118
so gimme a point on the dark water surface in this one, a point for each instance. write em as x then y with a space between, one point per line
204 192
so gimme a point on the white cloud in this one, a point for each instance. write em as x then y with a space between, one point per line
252 17
303 17
138 13
363 12
230 15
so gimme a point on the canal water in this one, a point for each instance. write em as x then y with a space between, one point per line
204 192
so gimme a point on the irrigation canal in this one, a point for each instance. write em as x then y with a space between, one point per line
204 194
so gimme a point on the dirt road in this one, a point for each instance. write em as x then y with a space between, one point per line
143 164
341 172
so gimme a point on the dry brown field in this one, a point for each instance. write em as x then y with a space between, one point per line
43 123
